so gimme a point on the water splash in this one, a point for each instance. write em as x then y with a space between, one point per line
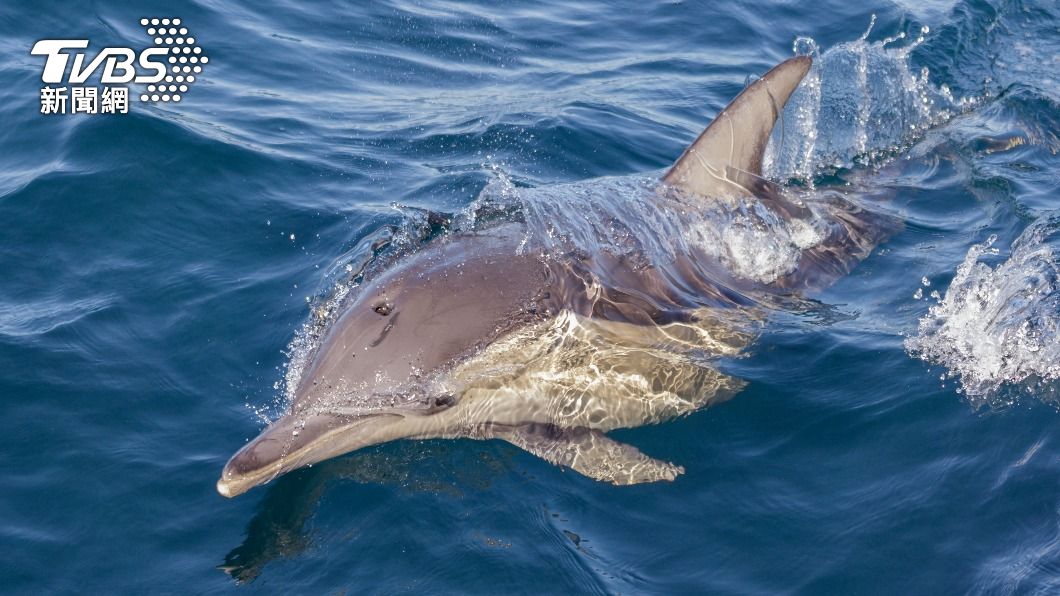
862 103
651 226
996 328
498 200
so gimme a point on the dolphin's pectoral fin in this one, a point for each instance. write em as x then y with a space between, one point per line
588 452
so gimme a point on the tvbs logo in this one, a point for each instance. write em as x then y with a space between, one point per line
167 69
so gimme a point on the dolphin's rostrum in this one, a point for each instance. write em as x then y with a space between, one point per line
481 335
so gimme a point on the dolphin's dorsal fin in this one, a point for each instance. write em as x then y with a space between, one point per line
731 147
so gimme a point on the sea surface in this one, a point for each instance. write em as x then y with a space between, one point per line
161 272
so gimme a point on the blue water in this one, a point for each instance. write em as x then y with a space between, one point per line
159 269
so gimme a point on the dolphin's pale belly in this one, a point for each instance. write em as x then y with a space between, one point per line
575 371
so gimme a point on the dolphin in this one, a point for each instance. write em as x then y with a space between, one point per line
477 336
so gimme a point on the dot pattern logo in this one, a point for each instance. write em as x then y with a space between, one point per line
186 59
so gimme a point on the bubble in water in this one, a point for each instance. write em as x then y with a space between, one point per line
805 46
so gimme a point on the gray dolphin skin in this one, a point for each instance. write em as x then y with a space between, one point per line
483 335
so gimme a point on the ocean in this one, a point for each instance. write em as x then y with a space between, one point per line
162 270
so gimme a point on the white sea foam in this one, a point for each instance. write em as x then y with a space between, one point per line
999 327
753 242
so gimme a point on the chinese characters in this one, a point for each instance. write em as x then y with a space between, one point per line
84 100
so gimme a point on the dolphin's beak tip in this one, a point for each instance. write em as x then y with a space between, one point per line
224 489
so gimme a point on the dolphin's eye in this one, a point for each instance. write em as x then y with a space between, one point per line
442 402
383 309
